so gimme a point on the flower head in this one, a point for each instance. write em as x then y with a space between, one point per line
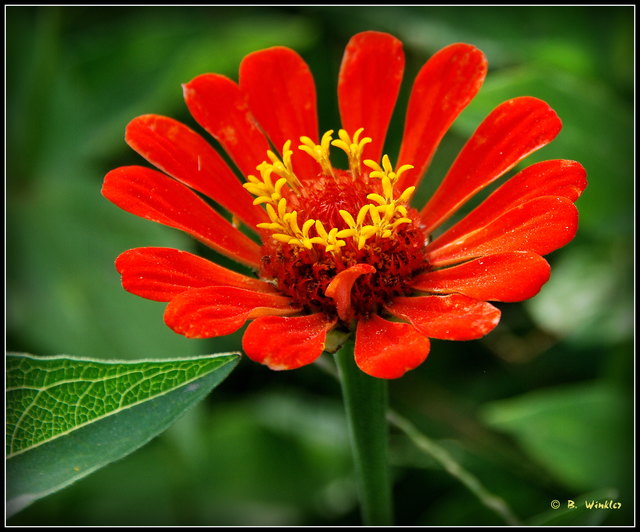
343 248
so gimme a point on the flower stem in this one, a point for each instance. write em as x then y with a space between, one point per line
365 400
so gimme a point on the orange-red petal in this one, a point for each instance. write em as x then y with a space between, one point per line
220 107
220 310
152 195
368 85
540 226
442 89
183 154
511 132
559 178
387 349
504 277
161 274
450 317
282 96
339 289
286 342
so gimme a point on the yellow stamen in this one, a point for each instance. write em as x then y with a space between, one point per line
386 170
265 190
278 222
282 167
320 152
329 240
385 212
353 148
300 237
357 230
391 206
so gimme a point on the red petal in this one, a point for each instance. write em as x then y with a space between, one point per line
220 107
154 196
161 274
511 132
368 86
182 153
452 317
503 277
219 310
286 342
558 178
541 226
443 88
386 349
282 96
339 289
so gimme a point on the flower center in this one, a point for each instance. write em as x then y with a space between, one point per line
324 224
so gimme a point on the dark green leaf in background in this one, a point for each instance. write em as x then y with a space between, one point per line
577 433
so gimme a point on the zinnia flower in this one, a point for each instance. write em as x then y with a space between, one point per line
342 249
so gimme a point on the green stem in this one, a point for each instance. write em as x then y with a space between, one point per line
365 400
440 455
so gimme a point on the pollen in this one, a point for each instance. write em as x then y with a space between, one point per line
327 222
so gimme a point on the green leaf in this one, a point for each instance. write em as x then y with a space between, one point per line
579 433
67 416
601 315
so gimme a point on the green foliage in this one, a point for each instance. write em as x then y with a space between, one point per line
570 431
67 417
586 316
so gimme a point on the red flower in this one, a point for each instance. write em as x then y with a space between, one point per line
343 249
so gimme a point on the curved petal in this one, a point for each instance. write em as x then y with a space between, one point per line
154 196
286 342
161 274
386 349
183 154
451 317
370 77
220 310
220 107
503 277
541 226
558 178
282 96
511 132
443 88
339 289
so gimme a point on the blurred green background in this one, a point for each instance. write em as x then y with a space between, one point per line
540 409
